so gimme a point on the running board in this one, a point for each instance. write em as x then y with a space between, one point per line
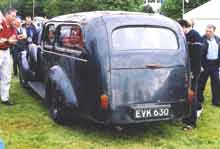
38 87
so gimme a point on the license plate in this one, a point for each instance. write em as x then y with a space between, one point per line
154 112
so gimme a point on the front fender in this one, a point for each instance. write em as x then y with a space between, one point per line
33 53
59 78
24 66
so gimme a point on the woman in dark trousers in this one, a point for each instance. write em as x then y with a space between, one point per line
194 42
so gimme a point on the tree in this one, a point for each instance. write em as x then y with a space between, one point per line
193 4
58 7
148 9
3 4
173 8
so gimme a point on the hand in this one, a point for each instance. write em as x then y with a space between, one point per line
12 40
3 40
20 37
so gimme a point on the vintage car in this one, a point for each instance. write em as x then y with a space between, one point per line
111 67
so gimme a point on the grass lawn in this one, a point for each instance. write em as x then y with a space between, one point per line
28 126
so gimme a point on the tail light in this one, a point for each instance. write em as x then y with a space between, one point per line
104 101
191 94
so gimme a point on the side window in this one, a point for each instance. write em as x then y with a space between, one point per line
70 37
49 37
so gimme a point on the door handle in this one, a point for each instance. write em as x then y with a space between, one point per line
153 66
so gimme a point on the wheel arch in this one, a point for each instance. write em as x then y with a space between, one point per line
58 78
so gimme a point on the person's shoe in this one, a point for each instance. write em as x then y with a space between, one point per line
8 102
188 128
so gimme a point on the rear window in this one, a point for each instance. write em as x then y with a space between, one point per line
131 38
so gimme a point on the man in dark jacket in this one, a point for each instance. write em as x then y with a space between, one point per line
210 65
194 42
30 30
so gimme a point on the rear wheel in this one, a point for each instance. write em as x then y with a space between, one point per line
57 109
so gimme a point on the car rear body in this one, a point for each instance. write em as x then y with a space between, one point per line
149 69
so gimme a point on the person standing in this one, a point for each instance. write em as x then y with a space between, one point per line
210 65
20 45
194 42
30 30
7 39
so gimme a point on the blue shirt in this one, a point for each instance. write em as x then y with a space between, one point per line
212 49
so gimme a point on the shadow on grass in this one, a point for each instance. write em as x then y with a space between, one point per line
132 133
98 132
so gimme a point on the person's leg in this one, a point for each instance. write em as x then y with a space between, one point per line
16 64
14 61
191 120
1 61
215 86
198 104
201 84
6 76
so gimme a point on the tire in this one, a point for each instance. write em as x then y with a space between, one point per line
57 109
23 81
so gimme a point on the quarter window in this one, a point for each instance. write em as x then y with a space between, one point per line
50 36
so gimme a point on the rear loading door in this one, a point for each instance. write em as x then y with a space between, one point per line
148 65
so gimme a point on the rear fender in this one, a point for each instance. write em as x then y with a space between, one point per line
57 77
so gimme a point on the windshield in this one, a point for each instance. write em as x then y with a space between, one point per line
131 38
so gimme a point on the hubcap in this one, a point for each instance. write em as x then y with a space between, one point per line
55 105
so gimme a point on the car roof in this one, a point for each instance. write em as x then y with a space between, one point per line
118 18
85 17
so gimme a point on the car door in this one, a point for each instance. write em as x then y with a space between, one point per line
149 65
71 57
47 47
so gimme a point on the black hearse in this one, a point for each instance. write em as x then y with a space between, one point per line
110 67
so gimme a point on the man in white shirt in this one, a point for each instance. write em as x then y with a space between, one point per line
210 64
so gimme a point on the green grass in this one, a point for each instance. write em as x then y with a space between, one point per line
27 125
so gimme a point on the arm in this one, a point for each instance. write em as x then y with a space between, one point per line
218 42
12 40
204 51
1 20
198 38
3 40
